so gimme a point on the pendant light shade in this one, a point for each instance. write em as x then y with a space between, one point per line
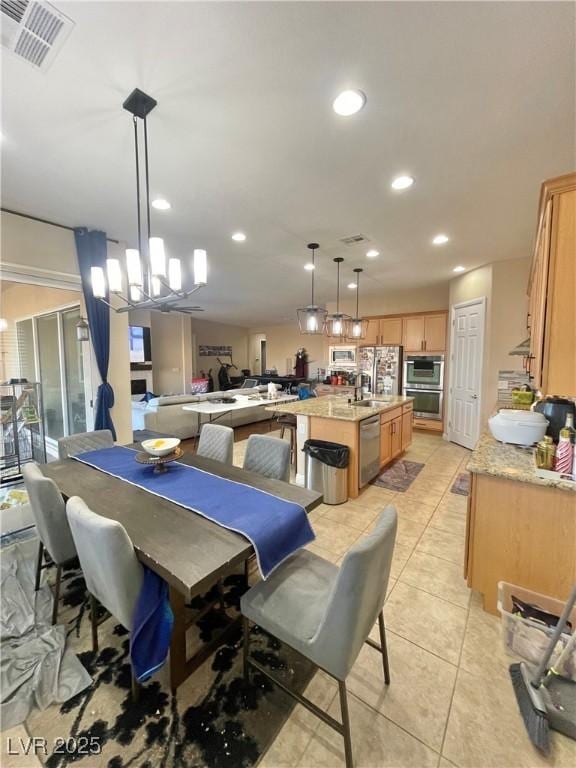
114 275
98 282
200 267
358 327
133 267
337 324
157 257
312 319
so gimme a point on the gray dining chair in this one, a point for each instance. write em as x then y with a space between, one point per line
111 569
326 613
49 513
216 442
83 442
268 456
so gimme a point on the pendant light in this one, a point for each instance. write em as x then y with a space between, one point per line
358 326
337 324
312 319
82 330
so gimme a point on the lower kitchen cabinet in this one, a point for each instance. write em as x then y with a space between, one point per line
407 416
395 434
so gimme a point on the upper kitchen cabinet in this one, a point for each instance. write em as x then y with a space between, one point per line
552 290
425 333
383 331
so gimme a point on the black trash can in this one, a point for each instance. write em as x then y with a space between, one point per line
327 469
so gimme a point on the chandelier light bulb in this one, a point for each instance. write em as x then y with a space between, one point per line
157 257
312 322
174 274
133 267
98 282
156 286
114 275
200 267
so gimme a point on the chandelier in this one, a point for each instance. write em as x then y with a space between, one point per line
312 319
152 281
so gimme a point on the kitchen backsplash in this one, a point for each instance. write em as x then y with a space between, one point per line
509 380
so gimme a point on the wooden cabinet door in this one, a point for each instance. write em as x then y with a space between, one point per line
373 334
413 333
537 302
406 429
435 333
396 436
385 443
391 330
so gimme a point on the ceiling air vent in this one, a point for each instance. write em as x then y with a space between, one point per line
34 31
355 239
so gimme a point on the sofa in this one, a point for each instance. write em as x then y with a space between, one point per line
165 415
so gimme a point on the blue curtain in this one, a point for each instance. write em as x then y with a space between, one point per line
91 249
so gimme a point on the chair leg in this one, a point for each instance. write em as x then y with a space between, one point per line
282 430
246 646
56 594
384 647
94 622
39 567
135 688
345 724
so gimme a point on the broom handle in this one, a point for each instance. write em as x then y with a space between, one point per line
539 674
555 670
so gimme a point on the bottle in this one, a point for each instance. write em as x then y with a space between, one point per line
570 427
565 450
545 452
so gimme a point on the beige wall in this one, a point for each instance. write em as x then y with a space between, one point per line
42 253
504 286
389 302
209 333
282 341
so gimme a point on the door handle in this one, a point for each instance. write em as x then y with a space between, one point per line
474 397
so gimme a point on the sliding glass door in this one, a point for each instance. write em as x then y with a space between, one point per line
49 352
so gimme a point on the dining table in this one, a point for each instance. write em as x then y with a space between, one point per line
190 552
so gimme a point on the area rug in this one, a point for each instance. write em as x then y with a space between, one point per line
216 719
399 476
461 485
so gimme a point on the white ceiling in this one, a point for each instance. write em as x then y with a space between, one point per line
476 100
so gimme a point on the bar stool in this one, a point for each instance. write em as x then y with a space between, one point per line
288 421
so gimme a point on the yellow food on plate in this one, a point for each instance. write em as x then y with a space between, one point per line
158 444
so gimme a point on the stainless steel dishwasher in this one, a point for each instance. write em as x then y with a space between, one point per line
369 449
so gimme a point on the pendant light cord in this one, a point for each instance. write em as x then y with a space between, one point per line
357 293
313 270
147 179
337 287
138 206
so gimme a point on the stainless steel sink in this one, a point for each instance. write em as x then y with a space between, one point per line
369 403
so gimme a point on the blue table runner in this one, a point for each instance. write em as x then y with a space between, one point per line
275 527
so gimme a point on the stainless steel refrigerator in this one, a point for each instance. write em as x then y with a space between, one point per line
381 370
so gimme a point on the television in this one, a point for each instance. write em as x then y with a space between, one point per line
140 350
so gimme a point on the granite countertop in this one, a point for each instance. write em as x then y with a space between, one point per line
334 407
510 462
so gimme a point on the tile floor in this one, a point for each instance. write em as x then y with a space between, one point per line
451 701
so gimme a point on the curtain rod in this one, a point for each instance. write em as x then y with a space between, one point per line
45 221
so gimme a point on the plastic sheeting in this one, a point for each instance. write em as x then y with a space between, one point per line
36 669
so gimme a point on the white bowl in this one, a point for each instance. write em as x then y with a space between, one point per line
518 427
161 446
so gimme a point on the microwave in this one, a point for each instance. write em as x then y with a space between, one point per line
342 356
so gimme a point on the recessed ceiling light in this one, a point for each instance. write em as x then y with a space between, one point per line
352 286
402 182
309 266
372 253
440 239
160 204
239 237
459 269
348 103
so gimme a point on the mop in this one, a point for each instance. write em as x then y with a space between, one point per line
545 698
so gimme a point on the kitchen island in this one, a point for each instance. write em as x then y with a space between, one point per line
520 528
337 420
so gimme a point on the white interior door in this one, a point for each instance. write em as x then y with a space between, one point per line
466 362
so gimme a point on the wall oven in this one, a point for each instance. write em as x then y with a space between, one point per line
424 381
342 356
427 371
427 402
